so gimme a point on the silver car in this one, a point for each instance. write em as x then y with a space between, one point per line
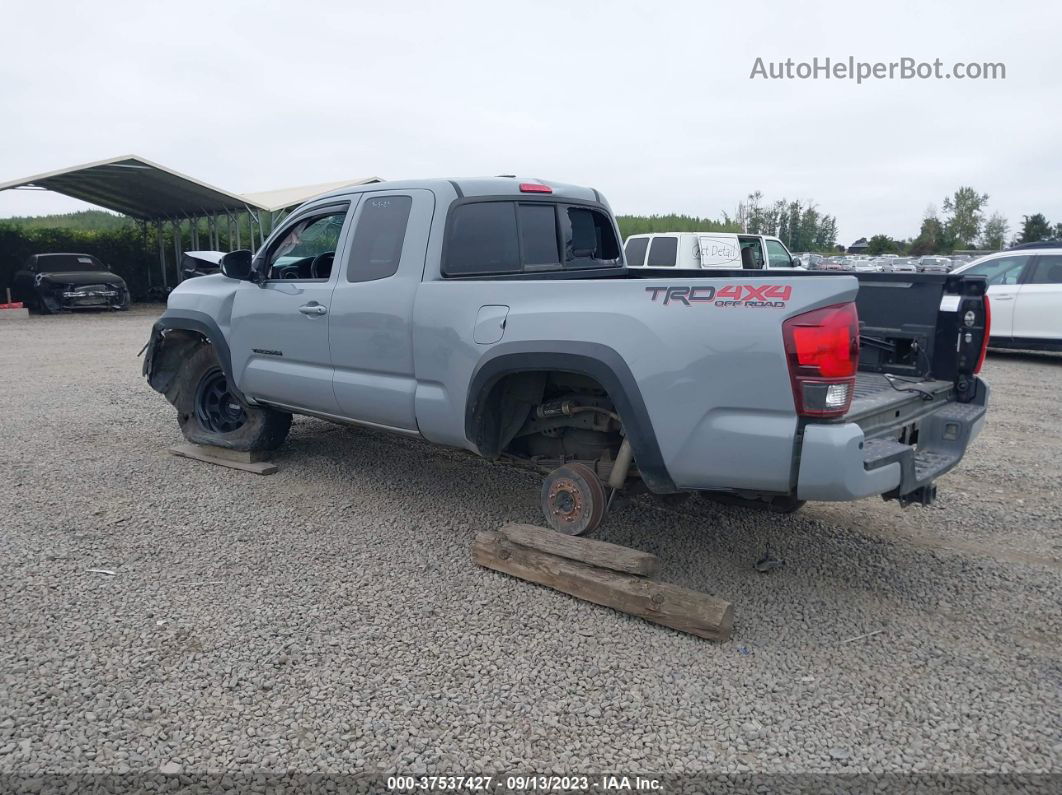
934 265
903 265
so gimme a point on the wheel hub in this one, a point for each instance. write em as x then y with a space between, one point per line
566 501
216 408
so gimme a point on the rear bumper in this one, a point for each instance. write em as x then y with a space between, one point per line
838 463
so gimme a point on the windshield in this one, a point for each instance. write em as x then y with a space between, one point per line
65 263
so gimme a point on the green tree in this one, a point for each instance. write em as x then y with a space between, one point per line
1034 227
994 235
932 237
826 235
81 221
800 225
882 244
964 215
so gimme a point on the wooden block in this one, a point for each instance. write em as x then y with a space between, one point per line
662 603
240 456
585 550
234 459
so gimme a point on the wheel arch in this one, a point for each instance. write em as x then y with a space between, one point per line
165 351
593 360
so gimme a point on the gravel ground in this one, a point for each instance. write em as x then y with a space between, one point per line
327 618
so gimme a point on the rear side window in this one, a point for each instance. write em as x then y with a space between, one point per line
662 252
635 251
506 237
377 246
483 239
1004 270
1048 270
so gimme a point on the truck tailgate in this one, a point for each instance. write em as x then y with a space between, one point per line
917 424
882 408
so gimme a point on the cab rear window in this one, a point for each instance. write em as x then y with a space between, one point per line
498 237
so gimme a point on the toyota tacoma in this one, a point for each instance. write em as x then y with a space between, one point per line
498 315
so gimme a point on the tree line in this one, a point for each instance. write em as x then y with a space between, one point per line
798 224
964 225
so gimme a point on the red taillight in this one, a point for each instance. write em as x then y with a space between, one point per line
534 187
822 347
984 341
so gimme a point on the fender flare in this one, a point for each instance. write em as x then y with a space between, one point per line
592 359
201 323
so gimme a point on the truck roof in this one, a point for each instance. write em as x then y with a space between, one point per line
476 186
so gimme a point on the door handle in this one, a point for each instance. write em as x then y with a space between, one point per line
1001 297
313 309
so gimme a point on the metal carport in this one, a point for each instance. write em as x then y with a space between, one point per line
153 194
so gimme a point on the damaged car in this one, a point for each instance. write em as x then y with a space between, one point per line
50 283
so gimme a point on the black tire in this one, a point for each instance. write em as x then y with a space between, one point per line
38 306
209 414
573 499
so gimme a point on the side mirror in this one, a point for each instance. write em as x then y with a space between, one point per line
237 265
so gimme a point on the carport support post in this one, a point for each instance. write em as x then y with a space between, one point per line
255 220
176 224
144 244
162 254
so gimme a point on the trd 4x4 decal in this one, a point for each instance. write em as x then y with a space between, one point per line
752 295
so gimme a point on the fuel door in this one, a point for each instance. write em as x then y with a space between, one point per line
490 324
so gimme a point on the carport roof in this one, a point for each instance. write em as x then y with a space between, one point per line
289 197
135 186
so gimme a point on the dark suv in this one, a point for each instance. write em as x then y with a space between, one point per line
56 282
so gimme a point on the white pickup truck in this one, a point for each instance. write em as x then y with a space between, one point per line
697 250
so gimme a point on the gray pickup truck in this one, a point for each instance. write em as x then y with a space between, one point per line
497 315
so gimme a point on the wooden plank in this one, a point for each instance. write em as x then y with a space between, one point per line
227 458
241 456
662 603
585 550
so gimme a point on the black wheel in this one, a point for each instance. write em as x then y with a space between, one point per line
573 499
216 409
38 306
209 412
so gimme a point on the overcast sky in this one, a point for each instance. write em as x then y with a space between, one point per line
650 102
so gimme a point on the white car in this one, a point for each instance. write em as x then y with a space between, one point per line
697 250
1025 295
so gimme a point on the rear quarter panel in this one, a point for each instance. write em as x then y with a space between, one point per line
713 378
